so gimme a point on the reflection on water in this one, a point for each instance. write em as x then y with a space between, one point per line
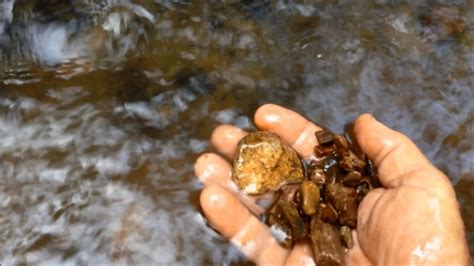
104 105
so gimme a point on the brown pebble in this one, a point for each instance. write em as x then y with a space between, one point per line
362 189
352 179
344 200
288 192
358 162
280 229
334 174
310 197
342 152
341 141
324 137
346 234
330 161
323 150
346 163
326 243
297 224
318 176
327 213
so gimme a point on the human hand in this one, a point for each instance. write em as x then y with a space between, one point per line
413 219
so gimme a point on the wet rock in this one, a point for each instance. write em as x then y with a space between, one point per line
346 234
289 193
330 161
324 137
346 163
310 197
280 228
264 163
334 174
344 200
318 177
285 221
291 214
327 213
341 141
326 243
362 190
323 150
358 163
350 162
352 179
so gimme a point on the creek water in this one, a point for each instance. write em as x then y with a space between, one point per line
104 106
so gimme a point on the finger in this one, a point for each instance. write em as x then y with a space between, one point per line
301 254
394 154
228 216
211 169
290 126
225 138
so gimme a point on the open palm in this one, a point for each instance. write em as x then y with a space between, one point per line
414 219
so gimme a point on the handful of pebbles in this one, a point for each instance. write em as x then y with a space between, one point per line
315 200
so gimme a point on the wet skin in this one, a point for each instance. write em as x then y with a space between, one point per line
413 219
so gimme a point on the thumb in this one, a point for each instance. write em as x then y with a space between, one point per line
394 154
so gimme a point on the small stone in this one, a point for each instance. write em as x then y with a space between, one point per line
330 161
264 163
327 213
323 150
318 176
324 137
326 243
280 228
352 179
346 234
296 223
310 197
350 162
362 189
334 174
346 163
341 142
358 163
289 193
344 200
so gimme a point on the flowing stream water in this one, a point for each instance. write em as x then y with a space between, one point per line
105 104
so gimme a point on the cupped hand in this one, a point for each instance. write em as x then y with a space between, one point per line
413 219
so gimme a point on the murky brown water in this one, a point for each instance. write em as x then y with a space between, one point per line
104 106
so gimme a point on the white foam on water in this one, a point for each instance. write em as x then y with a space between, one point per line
97 219
428 120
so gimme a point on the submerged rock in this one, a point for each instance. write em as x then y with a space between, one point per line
264 163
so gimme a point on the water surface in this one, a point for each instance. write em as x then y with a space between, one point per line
104 106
